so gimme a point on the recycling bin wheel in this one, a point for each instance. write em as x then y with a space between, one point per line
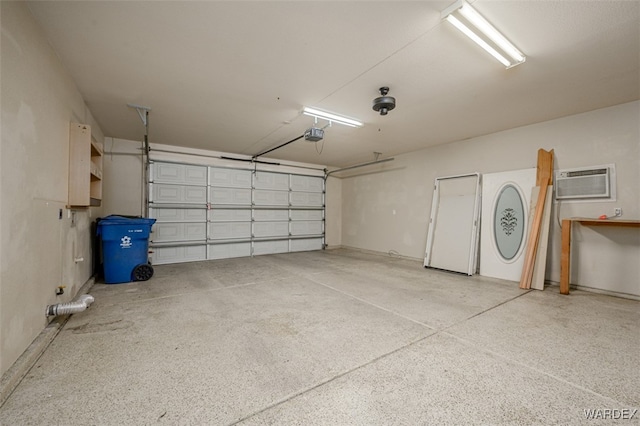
142 272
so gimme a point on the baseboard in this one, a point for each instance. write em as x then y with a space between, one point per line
14 375
596 290
334 247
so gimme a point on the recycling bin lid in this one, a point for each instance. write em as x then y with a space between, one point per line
115 220
122 220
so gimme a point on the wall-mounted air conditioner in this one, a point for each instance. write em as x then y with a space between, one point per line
586 183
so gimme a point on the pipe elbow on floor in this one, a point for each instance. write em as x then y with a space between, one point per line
79 305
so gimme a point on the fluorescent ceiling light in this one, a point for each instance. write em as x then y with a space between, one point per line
473 36
473 25
333 118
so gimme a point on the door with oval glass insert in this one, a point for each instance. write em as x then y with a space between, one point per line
506 198
508 222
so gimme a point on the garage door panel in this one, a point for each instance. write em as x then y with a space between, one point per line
229 230
230 178
263 197
305 199
166 193
178 215
263 215
306 214
306 244
307 183
196 175
306 228
266 180
270 229
182 174
165 255
270 247
226 251
230 196
230 215
195 194
170 231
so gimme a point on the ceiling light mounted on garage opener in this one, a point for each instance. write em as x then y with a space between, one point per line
331 117
314 133
466 19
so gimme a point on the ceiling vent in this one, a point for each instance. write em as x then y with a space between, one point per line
384 103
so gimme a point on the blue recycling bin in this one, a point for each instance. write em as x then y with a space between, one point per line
125 247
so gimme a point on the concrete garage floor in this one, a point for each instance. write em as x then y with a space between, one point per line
334 337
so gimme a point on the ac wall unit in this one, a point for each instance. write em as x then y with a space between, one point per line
584 183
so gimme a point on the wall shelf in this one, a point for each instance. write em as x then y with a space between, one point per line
85 167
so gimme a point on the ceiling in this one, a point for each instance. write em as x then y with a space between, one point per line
234 76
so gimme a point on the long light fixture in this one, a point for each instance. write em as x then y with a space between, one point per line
465 18
331 117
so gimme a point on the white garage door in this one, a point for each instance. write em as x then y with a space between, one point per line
206 212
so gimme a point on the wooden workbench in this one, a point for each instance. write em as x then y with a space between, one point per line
565 259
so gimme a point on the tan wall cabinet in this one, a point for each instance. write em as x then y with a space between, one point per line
85 167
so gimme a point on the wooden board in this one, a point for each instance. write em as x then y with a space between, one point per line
544 167
543 179
540 265
565 256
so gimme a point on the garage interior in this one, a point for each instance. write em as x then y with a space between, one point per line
314 270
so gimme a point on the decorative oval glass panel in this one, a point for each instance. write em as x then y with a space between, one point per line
508 221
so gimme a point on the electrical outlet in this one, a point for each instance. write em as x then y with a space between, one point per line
618 212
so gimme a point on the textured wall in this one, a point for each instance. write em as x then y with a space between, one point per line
386 207
37 247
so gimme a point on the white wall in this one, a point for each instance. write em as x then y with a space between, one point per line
123 171
386 207
37 248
